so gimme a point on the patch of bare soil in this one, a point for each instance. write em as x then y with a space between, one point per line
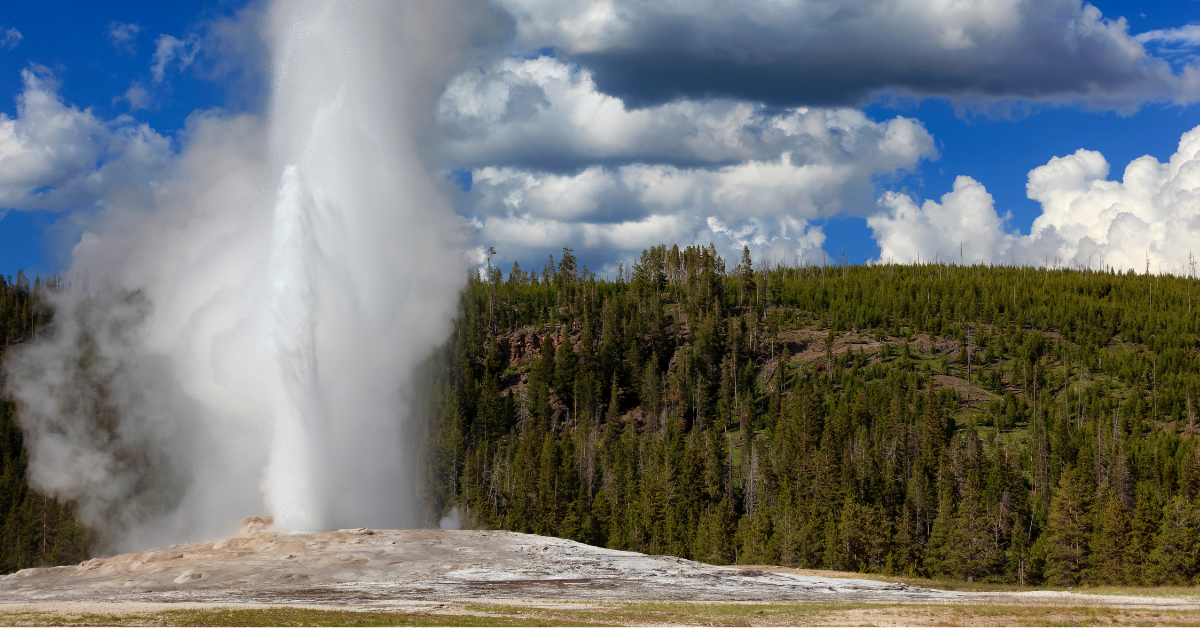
968 391
809 344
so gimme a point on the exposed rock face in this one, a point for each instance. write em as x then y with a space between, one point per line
520 346
368 566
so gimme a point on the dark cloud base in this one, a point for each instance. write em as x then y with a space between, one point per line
647 78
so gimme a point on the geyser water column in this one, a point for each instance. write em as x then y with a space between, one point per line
299 416
365 262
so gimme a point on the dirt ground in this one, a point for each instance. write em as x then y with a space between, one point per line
441 577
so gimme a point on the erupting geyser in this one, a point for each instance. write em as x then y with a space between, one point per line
247 338
360 277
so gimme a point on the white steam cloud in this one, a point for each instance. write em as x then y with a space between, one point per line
240 337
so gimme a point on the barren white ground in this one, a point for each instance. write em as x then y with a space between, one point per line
402 568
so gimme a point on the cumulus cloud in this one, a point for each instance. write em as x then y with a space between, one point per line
172 52
1151 216
552 160
814 52
56 156
137 97
963 227
11 38
123 36
548 114
529 239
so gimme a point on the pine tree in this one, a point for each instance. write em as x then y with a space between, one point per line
972 546
1069 531
905 556
1110 543
758 547
938 558
564 372
1174 558
1143 530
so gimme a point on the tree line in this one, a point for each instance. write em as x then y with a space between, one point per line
1009 424
35 530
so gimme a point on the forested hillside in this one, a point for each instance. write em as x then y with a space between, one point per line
1021 425
37 531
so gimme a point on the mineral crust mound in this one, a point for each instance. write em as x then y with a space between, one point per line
363 566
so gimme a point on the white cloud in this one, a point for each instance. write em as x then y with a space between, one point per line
1151 215
137 97
611 214
123 35
1178 45
11 38
528 239
547 112
54 156
964 227
554 160
815 52
1189 34
173 52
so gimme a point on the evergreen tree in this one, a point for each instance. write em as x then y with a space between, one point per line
1069 531
1143 530
1174 558
938 559
564 373
1111 542
972 546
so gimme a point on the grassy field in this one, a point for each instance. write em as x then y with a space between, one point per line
533 613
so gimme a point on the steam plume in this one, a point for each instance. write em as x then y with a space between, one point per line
244 338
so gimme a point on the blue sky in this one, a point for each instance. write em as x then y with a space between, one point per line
72 41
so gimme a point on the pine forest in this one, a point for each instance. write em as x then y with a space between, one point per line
984 423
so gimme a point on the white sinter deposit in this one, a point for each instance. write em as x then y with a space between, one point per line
363 566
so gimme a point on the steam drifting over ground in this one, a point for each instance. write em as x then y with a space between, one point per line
247 326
